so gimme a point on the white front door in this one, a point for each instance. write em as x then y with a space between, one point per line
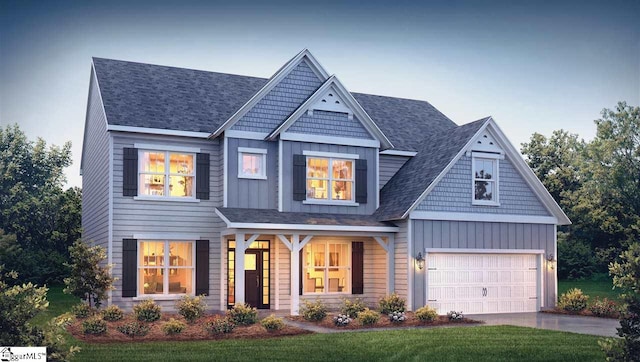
482 283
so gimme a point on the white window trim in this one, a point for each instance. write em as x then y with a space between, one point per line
329 200
154 147
167 173
326 267
348 156
496 162
165 278
253 151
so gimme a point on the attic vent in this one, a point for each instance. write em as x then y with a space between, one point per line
337 102
331 102
487 143
324 101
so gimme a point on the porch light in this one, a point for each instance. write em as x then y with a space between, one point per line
551 262
420 261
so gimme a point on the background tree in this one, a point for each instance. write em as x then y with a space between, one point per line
89 279
44 218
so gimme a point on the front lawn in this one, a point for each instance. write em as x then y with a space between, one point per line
59 303
494 343
597 287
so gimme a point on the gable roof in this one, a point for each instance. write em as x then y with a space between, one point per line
410 182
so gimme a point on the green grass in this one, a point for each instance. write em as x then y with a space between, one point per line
486 343
599 287
59 303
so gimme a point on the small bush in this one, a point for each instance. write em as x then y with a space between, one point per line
397 317
81 310
95 326
133 329
573 301
173 326
313 311
272 323
191 308
455 316
341 320
426 314
219 325
392 303
243 314
112 313
604 308
368 317
147 311
351 308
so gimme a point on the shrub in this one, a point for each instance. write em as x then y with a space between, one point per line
573 300
272 323
341 320
368 317
95 326
313 311
243 314
89 279
112 313
147 311
352 308
219 325
426 314
133 329
191 308
397 317
455 316
392 303
604 308
81 310
173 326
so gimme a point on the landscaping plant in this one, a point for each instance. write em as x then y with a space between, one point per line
341 320
133 329
455 316
243 314
173 326
89 280
604 307
313 311
272 323
81 310
191 308
94 325
112 313
219 325
147 311
368 317
573 301
397 317
351 308
392 303
426 314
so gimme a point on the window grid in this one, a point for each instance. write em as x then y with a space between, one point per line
153 173
330 180
152 262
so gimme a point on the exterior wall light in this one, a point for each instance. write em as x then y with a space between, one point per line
420 261
551 262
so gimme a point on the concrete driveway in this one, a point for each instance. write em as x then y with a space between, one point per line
557 322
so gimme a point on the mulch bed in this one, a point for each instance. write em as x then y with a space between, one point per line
384 322
586 313
193 332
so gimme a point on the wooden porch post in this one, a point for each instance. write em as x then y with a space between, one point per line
295 274
391 265
239 269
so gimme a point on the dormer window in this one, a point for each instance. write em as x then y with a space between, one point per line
485 179
252 163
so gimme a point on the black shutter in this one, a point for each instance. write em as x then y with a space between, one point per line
361 181
129 267
299 177
130 172
202 267
357 267
301 274
202 176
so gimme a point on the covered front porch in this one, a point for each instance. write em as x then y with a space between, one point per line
276 265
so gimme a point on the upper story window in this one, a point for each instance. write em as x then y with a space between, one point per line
330 179
166 174
252 163
166 267
485 180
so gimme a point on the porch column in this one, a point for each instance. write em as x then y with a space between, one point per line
391 265
295 274
239 269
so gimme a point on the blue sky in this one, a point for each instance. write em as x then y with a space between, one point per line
535 66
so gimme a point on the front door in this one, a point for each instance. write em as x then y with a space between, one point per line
256 274
252 279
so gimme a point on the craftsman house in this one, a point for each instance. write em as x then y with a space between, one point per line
270 191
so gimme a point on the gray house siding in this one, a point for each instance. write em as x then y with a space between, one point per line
297 148
401 255
454 192
389 165
250 193
326 123
95 179
281 101
132 216
481 235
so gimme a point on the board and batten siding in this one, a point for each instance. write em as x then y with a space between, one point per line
428 234
389 165
95 177
156 217
290 148
454 192
252 193
325 123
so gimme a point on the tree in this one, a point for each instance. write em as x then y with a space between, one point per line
33 206
88 280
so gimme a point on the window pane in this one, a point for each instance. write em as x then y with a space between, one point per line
152 185
151 281
252 164
341 190
337 281
318 167
483 190
342 169
180 281
488 169
153 161
181 163
181 186
484 169
180 254
152 253
317 189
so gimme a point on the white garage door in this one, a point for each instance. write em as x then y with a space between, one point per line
482 283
